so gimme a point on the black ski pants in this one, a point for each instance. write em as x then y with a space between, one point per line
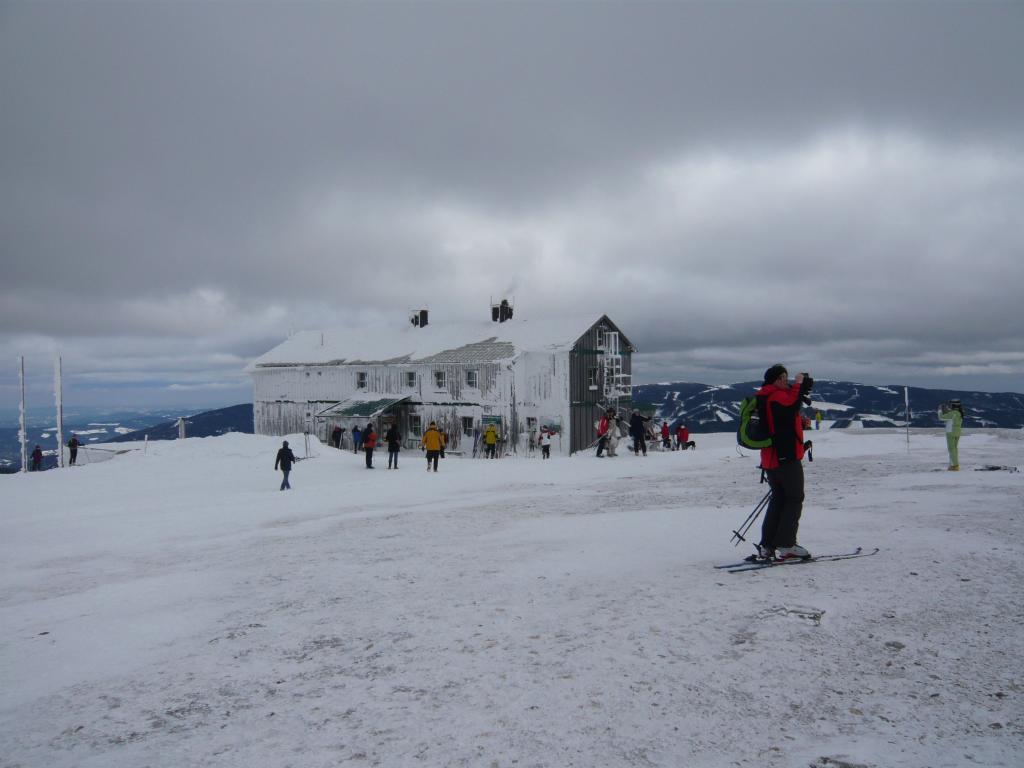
782 518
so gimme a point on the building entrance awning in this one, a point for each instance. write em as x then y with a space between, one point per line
359 408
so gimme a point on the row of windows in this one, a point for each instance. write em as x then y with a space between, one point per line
440 379
416 425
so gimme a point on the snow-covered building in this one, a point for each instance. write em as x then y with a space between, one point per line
518 374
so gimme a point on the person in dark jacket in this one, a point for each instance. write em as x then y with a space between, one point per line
37 459
369 443
394 445
336 437
285 459
781 403
638 430
73 446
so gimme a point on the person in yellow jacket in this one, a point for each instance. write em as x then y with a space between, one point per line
953 414
433 443
491 440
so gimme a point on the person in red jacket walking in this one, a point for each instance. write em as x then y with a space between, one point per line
683 440
369 443
780 402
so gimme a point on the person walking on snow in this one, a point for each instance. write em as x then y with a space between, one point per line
37 459
545 443
73 447
490 440
285 459
602 432
336 437
953 414
614 424
780 402
666 436
431 443
369 443
394 440
638 430
357 439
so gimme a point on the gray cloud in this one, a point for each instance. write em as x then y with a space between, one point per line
837 183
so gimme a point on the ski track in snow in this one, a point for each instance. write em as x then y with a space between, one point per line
174 609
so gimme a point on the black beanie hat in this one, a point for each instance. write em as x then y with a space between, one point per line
774 372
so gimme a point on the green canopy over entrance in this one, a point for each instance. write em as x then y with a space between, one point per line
357 408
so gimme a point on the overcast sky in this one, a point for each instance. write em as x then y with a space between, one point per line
835 186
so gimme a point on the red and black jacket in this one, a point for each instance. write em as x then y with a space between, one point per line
782 414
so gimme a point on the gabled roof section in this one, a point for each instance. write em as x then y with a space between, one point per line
435 343
625 344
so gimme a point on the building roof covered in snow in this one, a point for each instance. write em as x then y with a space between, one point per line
433 343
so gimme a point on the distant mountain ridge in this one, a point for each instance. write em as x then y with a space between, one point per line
707 408
234 418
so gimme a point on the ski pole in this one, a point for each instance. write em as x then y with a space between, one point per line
751 518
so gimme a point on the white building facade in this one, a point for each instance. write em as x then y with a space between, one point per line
519 375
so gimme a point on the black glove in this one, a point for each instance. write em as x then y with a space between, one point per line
807 384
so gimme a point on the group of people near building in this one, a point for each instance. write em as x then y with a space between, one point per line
609 432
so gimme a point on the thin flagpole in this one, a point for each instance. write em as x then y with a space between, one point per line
906 401
59 393
21 419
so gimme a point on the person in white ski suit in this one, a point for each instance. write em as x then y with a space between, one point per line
613 434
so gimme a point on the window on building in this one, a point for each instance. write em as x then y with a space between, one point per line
410 379
592 378
440 379
467 426
415 425
360 379
473 379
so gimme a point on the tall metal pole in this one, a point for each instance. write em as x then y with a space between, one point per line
58 387
906 401
21 421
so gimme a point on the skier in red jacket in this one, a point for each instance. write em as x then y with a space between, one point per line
781 462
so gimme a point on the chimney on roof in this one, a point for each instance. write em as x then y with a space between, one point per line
418 318
501 312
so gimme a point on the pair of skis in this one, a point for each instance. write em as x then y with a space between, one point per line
758 565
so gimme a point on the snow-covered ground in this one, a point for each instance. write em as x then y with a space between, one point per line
174 608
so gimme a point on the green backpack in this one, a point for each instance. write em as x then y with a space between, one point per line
752 432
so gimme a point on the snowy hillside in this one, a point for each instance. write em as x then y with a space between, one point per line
174 608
